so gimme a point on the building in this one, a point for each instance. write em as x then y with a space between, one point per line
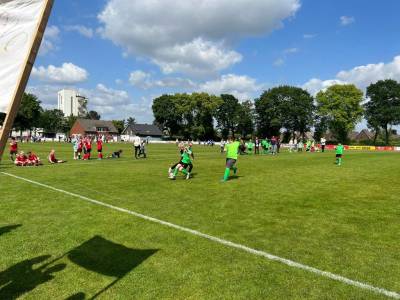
95 127
146 131
71 103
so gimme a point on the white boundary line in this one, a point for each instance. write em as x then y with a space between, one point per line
267 255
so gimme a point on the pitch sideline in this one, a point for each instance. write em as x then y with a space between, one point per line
267 255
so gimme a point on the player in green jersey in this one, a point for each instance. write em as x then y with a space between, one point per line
184 163
339 153
250 146
232 150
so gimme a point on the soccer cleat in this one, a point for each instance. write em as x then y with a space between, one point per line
188 176
169 171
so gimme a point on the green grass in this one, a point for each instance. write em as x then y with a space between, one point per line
345 220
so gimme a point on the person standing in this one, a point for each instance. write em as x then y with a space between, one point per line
323 144
257 146
99 148
232 150
339 153
274 145
13 149
136 144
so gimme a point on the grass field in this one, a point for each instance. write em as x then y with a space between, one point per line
302 207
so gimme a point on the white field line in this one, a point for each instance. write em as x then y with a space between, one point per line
267 255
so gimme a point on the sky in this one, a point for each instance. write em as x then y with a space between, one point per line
122 54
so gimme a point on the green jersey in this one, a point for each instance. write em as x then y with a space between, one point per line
232 150
339 149
186 156
250 145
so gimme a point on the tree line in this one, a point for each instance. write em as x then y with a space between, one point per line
31 115
287 109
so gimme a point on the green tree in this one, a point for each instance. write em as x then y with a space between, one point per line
246 119
228 115
119 124
130 121
93 115
67 124
383 108
296 109
268 111
341 106
166 114
320 127
52 121
29 112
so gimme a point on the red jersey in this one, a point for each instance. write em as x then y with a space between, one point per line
99 145
88 144
32 157
21 158
53 158
13 146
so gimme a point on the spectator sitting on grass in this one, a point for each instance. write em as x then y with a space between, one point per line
116 154
21 160
33 159
52 158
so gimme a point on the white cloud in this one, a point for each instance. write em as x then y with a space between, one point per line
110 103
68 73
315 85
82 30
291 50
242 87
143 80
346 20
190 36
50 39
309 36
361 76
279 62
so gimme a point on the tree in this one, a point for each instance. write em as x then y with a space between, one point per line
269 111
68 122
320 127
228 115
52 121
93 115
246 118
383 108
341 106
296 110
166 114
119 124
130 121
29 112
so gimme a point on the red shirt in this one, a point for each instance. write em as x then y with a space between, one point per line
13 146
99 145
88 145
53 158
32 157
21 158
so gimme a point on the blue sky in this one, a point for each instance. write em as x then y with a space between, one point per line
123 53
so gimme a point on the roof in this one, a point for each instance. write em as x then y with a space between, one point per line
92 125
144 130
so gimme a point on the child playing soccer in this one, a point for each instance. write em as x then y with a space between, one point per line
52 158
33 159
339 153
13 149
99 148
232 150
183 164
21 160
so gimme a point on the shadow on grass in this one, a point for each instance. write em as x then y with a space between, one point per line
234 177
8 229
22 277
96 255
107 258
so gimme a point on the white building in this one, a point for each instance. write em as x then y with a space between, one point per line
71 103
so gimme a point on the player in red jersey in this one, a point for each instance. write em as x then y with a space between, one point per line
87 144
52 158
80 148
21 160
33 159
13 149
99 148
